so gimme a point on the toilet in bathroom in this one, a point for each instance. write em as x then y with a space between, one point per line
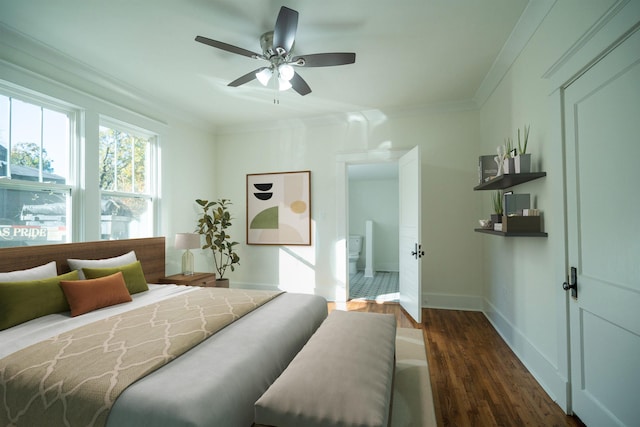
355 246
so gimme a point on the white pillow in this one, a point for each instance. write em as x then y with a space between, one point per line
79 264
36 273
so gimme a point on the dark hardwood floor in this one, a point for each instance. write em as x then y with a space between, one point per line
475 377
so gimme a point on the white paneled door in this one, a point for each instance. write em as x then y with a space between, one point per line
602 136
411 251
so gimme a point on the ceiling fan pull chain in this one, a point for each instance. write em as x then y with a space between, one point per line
276 90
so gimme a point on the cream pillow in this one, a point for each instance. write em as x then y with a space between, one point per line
45 271
79 264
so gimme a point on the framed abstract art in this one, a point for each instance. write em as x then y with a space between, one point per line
279 208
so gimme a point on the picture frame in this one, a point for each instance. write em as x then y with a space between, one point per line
279 208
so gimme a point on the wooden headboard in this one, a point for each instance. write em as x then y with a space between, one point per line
150 252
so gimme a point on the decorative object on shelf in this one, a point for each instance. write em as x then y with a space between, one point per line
488 168
508 161
522 162
279 208
514 203
213 226
187 241
485 223
521 224
496 217
499 159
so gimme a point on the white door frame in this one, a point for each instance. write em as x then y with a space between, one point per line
618 20
342 206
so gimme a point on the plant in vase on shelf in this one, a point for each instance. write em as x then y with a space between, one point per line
213 225
509 153
523 159
496 217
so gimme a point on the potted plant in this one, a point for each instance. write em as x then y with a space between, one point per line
215 220
508 165
523 159
496 217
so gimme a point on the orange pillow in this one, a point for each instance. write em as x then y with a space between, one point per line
84 296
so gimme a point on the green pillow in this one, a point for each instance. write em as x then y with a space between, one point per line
23 301
133 275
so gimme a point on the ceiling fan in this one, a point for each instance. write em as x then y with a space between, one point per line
276 51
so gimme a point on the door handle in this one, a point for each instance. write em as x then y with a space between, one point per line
417 252
573 283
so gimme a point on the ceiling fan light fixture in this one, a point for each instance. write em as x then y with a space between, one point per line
264 76
283 84
277 47
286 71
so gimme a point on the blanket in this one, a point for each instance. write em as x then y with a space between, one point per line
74 378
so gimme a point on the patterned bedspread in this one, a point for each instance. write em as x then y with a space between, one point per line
74 378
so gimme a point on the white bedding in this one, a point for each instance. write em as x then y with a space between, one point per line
33 331
216 382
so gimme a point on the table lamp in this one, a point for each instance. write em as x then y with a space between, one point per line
187 241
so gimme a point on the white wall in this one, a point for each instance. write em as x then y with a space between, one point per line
523 276
449 156
376 200
188 168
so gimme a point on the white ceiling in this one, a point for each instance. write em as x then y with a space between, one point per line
409 54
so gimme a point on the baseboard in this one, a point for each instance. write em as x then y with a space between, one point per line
452 302
387 266
544 372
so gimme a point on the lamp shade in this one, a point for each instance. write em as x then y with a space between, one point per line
286 72
187 241
264 76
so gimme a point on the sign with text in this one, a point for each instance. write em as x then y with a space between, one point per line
33 233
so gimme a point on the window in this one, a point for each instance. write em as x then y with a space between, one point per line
126 172
35 195
41 166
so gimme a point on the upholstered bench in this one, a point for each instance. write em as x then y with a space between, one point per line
342 377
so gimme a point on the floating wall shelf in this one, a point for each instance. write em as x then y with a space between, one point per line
506 181
509 180
514 234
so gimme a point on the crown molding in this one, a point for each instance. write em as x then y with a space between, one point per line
37 59
620 21
531 18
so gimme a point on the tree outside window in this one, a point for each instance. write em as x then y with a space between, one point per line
124 183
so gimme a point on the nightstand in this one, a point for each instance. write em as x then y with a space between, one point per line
207 280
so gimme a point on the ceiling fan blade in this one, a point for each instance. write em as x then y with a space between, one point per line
284 33
324 59
227 47
246 78
299 85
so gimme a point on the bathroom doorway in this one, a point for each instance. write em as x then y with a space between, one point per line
373 227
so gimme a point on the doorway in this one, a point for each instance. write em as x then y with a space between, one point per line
371 159
409 234
373 227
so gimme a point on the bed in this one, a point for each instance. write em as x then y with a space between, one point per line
217 381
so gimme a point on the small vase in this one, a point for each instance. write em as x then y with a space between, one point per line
495 218
523 163
508 166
